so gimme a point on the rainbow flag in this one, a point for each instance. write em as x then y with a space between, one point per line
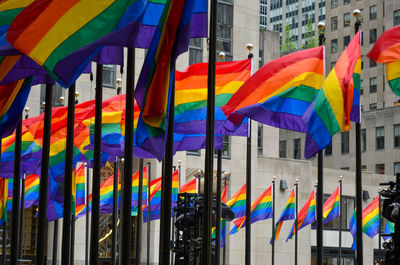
353 230
280 92
338 103
370 218
3 199
305 217
191 95
78 188
135 191
261 209
331 208
31 190
223 222
387 50
175 187
389 229
190 187
155 201
238 202
288 213
106 195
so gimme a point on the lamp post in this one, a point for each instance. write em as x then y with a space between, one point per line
340 220
273 221
380 225
296 221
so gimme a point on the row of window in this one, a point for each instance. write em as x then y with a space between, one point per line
335 3
346 40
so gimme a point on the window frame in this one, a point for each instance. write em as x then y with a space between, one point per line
345 142
380 138
297 148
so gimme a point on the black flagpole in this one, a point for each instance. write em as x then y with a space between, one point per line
44 178
218 209
296 222
16 194
209 159
3 256
87 219
115 215
340 220
72 239
380 231
273 222
139 215
224 249
166 186
148 211
55 241
21 219
66 232
94 234
358 173
125 218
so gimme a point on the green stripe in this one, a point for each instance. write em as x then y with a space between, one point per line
324 111
8 16
302 92
370 222
395 85
220 100
158 1
356 81
289 206
239 203
263 206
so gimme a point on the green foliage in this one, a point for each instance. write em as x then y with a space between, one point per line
309 36
288 43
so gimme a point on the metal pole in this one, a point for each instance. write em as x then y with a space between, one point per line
44 178
358 182
209 158
139 215
66 253
166 187
296 223
21 219
87 219
94 235
340 221
380 231
224 249
218 209
248 200
72 239
148 211
115 215
55 241
128 162
3 257
273 222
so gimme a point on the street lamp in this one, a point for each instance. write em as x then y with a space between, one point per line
27 109
76 97
249 47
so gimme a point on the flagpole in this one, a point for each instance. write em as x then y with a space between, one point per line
320 189
16 194
87 219
66 247
55 241
209 157
72 239
115 215
3 256
94 234
21 219
380 225
340 220
356 14
224 249
273 222
296 223
125 218
139 214
148 211
173 216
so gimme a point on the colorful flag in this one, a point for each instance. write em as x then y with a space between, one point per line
331 208
305 217
155 201
353 230
370 218
78 188
135 191
389 229
238 202
223 222
280 92
3 199
338 103
261 209
387 50
190 187
288 213
31 190
175 187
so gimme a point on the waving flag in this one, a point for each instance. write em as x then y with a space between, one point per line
190 187
78 188
370 218
3 199
31 190
389 229
280 92
155 201
238 202
338 103
223 222
331 208
305 217
288 213
261 209
353 230
135 191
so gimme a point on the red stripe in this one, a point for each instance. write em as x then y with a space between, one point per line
388 39
371 207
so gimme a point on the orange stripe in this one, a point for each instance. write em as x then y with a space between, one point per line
7 64
390 54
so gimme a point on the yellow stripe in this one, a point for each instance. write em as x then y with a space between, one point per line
105 190
392 70
57 147
72 21
13 4
266 199
366 219
107 117
357 68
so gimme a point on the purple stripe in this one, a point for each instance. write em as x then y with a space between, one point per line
146 34
196 143
311 147
8 50
199 25
199 127
355 114
110 55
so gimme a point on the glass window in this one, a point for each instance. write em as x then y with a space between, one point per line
396 17
58 91
195 51
380 138
346 2
346 20
372 36
260 139
282 149
331 256
226 147
372 85
364 140
109 75
372 12
345 168
224 29
328 150
396 168
297 148
334 46
334 24
373 106
333 65
380 168
372 63
334 3
193 152
345 142
364 168
346 41
396 135
346 212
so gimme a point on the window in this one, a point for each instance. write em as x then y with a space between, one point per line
58 92
380 138
396 17
346 212
396 135
345 168
297 148
372 85
333 65
345 142
195 51
372 36
380 168
363 168
109 75
260 139
328 150
363 140
346 2
334 46
334 3
396 168
361 87
193 152
372 12
346 20
334 25
226 147
282 149
346 41
331 256
373 106
224 29
372 63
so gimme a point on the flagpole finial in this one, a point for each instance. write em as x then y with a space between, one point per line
274 178
61 99
179 162
297 181
321 26
356 13
249 46
340 178
221 55
27 109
